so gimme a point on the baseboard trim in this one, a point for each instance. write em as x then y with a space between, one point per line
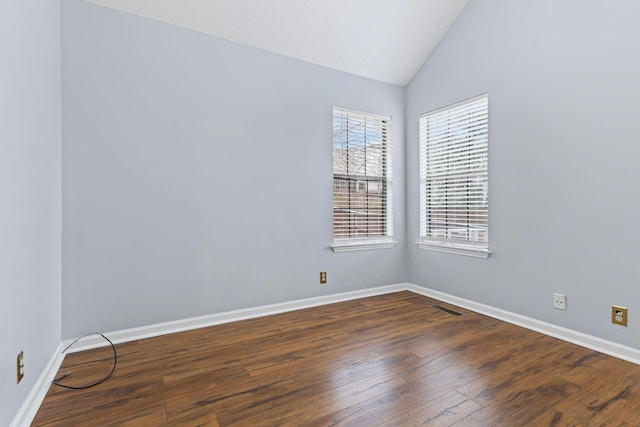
611 348
158 329
29 408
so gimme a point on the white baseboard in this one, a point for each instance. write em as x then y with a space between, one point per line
611 348
133 334
598 344
30 407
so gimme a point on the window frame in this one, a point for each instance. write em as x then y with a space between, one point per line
384 182
478 247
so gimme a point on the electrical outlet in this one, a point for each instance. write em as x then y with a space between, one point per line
560 301
20 367
619 315
323 277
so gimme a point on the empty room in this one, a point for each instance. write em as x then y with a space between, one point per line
323 212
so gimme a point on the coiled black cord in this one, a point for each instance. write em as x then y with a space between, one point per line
66 374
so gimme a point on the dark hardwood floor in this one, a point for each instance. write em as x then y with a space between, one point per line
390 360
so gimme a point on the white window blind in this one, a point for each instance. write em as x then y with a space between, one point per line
362 202
454 178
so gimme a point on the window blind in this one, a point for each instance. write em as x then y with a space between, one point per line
362 202
454 175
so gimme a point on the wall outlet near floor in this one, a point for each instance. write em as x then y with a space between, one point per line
619 315
323 277
20 367
560 301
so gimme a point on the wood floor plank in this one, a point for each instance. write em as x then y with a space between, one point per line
385 407
557 418
603 400
386 360
444 411
518 401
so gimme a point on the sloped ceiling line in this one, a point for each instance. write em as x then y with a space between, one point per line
347 35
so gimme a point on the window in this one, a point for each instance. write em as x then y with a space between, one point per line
362 203
454 178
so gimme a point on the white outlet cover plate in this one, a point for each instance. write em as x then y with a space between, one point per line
560 301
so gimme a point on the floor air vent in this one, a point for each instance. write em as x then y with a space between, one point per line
446 310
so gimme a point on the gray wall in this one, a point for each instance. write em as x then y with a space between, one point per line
197 174
563 83
29 194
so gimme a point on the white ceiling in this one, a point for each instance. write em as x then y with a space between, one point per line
386 40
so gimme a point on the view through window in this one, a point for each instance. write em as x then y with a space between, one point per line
362 207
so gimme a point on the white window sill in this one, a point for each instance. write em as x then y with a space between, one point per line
458 250
362 246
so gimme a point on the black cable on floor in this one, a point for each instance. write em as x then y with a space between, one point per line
66 374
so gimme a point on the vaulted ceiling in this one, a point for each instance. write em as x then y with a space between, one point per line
386 40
